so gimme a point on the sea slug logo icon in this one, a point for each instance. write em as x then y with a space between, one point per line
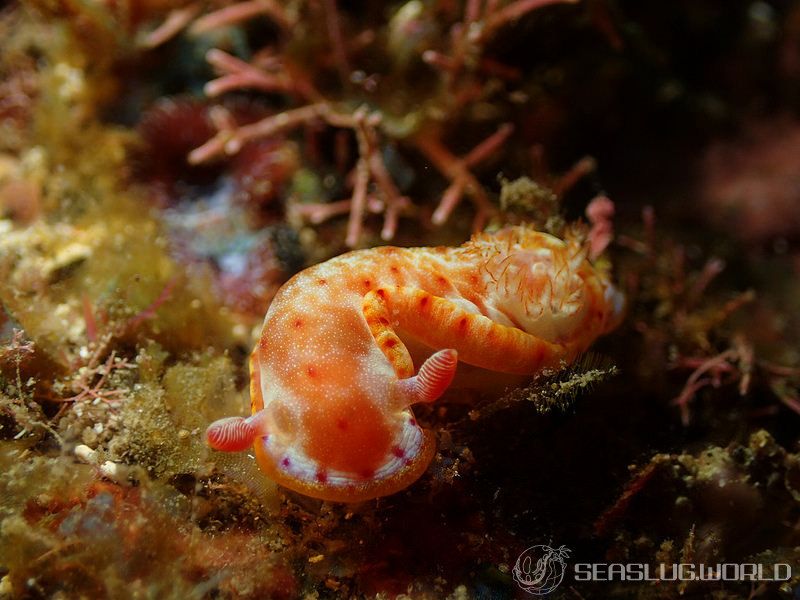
540 569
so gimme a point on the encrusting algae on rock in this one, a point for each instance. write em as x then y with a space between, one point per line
332 381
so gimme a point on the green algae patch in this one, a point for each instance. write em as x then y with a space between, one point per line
71 284
62 528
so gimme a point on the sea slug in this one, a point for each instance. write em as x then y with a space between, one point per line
333 382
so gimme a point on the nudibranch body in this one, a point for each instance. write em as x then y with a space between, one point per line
332 381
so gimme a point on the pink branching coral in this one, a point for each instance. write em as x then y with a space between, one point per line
314 64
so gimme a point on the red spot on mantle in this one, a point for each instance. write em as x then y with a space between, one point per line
539 355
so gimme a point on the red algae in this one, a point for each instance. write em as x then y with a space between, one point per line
224 218
750 185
